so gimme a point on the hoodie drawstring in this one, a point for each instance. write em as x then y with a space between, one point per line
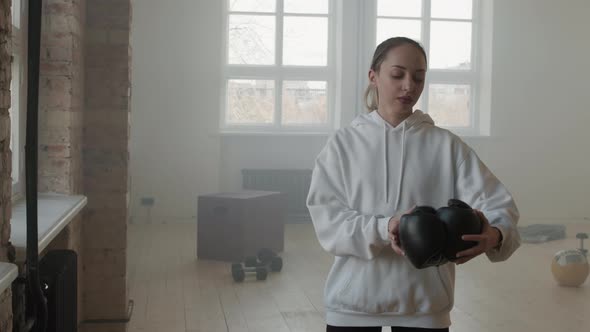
416 119
386 168
401 166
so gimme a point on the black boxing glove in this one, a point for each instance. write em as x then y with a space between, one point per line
432 237
459 219
423 237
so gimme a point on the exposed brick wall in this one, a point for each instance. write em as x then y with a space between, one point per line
83 143
61 90
5 156
6 311
106 160
61 99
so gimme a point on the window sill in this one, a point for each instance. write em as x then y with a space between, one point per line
55 212
16 197
8 273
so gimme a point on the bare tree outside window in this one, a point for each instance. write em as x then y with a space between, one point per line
449 104
445 28
250 102
304 102
251 40
265 89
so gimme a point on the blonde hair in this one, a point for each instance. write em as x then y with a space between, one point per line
371 94
371 98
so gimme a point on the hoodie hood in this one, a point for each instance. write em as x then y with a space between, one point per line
416 119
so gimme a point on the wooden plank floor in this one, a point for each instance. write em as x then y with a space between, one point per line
175 292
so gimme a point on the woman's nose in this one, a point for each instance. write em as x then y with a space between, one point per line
408 85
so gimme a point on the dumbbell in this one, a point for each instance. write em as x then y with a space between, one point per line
265 257
238 272
251 261
270 258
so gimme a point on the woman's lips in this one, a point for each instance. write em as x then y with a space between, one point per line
405 100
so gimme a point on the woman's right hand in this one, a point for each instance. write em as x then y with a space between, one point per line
393 228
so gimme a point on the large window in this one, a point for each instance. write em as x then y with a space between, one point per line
17 93
301 65
279 67
448 30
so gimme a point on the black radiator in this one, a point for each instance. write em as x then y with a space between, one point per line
294 183
59 274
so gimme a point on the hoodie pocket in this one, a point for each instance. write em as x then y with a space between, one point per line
387 284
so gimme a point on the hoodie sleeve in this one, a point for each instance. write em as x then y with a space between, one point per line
341 230
479 187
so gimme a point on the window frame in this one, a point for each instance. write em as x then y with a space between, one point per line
474 77
280 73
18 73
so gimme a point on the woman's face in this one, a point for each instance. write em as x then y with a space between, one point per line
400 79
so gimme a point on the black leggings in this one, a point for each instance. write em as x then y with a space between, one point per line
378 329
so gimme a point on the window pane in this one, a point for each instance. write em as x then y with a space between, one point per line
448 104
15 12
14 119
403 8
266 6
420 103
387 28
461 9
251 40
250 102
450 45
304 102
306 6
305 41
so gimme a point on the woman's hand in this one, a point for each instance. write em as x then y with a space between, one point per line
393 229
487 240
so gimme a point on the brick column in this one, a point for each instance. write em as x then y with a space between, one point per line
61 97
106 160
5 156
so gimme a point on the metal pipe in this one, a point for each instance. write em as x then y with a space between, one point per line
37 304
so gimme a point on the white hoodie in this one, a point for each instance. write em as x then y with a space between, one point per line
371 171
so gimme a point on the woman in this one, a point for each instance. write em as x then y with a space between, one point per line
372 172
